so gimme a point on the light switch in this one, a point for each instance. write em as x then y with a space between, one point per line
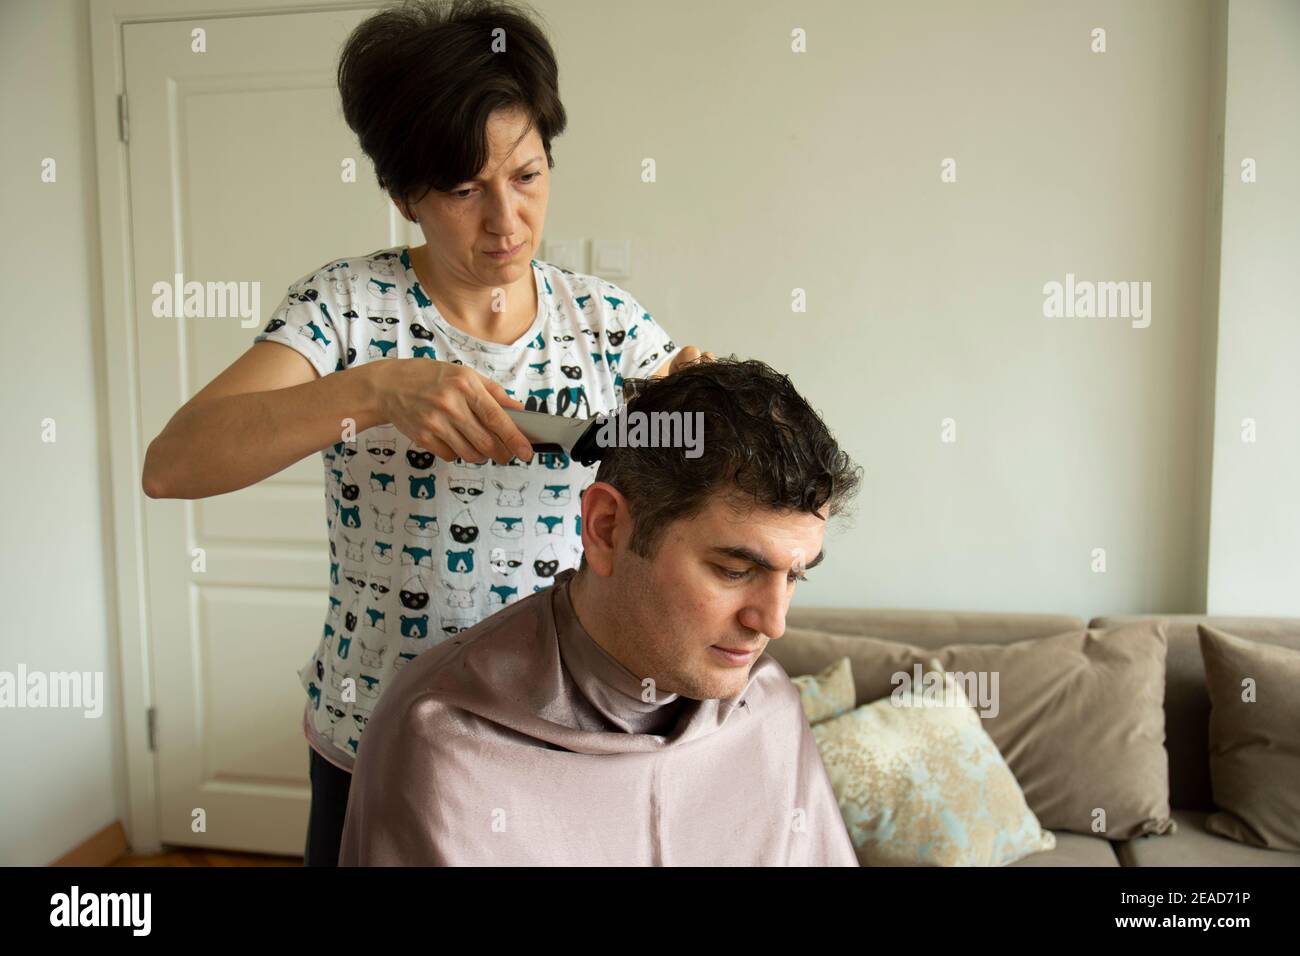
611 258
565 253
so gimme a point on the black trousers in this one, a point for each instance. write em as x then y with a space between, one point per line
329 804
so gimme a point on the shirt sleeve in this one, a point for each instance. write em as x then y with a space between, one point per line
647 344
306 322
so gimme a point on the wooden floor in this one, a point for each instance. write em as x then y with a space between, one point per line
206 858
110 843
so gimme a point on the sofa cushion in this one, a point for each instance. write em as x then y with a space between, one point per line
828 693
1078 715
1074 849
920 783
1187 704
1254 739
1193 845
931 629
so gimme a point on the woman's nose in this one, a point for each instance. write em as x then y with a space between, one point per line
503 217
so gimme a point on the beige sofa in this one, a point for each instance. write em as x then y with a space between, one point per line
1187 709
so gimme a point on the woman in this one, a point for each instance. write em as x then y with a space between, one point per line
399 363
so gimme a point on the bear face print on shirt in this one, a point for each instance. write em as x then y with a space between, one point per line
422 548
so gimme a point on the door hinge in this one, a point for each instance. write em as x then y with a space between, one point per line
121 117
151 720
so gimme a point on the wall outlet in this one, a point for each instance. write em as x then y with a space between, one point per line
565 253
611 258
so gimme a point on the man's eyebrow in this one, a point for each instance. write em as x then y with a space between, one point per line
753 557
518 169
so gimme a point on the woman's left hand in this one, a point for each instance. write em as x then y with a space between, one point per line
686 356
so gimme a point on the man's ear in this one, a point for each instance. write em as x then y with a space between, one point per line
606 522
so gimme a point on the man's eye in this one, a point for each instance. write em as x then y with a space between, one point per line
458 192
731 575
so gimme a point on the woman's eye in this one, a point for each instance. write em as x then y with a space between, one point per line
465 193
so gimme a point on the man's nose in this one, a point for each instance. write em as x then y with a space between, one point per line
766 609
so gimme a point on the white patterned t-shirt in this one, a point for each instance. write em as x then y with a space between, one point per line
422 548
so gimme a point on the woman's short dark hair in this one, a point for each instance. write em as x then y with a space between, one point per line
420 79
762 444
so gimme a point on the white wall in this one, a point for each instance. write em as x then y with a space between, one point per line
60 773
1255 516
822 171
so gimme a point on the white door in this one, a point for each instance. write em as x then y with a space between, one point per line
236 175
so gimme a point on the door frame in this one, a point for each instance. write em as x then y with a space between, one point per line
121 373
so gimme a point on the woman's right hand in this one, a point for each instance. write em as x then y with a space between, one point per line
450 409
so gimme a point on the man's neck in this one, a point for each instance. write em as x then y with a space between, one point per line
628 698
588 615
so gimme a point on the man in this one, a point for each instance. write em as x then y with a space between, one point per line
628 715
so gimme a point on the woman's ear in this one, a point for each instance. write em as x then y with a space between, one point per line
405 209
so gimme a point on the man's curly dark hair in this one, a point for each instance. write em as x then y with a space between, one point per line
762 443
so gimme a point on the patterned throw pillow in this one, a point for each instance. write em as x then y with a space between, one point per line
1079 716
827 694
920 782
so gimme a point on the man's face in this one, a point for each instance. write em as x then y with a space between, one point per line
507 208
722 579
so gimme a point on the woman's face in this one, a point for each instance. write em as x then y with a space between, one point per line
505 208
